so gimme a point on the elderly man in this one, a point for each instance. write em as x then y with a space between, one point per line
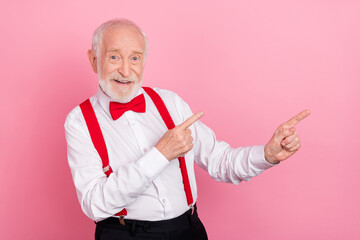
132 149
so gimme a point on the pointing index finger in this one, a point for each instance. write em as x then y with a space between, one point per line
191 120
296 119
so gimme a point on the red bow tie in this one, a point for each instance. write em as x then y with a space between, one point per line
136 105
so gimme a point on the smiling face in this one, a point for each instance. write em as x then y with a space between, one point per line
121 62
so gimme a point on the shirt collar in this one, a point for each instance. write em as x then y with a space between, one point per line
104 100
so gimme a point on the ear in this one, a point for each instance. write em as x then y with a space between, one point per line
92 59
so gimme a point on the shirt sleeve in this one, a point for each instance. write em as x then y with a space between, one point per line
101 197
223 162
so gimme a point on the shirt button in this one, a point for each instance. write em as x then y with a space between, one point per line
133 124
145 150
163 200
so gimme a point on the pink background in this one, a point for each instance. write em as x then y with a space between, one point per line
250 65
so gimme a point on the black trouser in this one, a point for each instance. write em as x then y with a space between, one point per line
185 227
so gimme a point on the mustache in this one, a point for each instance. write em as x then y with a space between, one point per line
117 76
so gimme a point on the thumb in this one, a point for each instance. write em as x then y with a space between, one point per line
280 135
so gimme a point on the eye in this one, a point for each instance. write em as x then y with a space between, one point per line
135 58
113 57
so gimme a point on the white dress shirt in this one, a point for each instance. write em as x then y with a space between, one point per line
143 181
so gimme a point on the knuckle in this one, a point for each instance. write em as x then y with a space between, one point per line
280 129
172 133
277 131
190 146
181 137
292 149
290 141
295 148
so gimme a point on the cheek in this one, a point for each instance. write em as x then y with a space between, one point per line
138 70
106 70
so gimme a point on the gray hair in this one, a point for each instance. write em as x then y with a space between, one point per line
98 34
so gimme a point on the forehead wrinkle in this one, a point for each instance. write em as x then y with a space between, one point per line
114 37
111 49
129 47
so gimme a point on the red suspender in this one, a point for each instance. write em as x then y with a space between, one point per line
96 134
98 140
159 103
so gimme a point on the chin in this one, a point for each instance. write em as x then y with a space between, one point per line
117 94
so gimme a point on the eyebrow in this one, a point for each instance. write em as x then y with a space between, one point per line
118 50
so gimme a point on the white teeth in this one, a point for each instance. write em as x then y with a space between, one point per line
122 81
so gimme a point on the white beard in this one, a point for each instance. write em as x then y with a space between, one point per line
106 87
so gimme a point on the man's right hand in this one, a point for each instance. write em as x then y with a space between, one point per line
178 141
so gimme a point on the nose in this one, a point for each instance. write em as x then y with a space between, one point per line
124 68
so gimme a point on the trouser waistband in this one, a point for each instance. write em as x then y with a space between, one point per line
149 226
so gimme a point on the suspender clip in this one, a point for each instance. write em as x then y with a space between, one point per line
192 209
107 168
121 220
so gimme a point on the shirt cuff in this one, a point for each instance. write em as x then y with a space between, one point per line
258 158
153 163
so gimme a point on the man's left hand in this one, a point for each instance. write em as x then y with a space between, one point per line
285 141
